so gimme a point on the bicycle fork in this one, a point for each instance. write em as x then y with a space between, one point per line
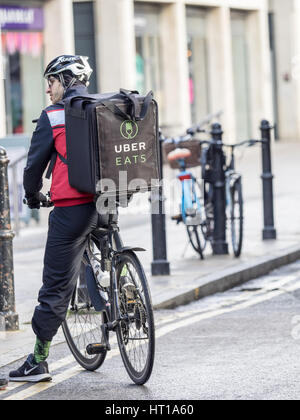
189 198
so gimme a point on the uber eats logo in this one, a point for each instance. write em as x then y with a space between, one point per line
130 153
129 129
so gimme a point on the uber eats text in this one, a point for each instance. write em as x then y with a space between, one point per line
129 154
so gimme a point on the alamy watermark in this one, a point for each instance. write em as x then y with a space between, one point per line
141 197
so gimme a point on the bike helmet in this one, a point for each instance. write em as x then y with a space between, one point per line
74 66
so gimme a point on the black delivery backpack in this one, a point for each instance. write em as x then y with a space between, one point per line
112 137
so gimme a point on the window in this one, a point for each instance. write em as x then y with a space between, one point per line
148 50
241 75
24 86
84 37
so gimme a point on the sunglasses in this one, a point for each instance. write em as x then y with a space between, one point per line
51 82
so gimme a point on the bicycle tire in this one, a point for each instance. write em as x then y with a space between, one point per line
197 239
196 232
237 218
88 330
138 323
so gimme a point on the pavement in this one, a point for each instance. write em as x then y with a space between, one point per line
190 278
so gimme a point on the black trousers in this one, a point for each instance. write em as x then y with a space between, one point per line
69 228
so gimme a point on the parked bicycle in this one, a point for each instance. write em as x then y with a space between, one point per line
185 153
197 207
234 198
111 295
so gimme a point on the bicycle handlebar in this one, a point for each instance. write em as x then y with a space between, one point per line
197 128
250 143
44 202
182 139
190 132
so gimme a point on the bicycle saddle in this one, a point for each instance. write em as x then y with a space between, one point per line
178 154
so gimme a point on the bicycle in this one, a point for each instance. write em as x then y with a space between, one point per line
233 192
200 220
192 205
111 295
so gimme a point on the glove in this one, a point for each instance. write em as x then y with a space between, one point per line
34 200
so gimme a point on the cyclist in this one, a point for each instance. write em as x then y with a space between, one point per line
73 218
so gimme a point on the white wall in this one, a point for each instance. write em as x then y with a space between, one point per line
287 39
59 29
221 68
115 44
296 64
260 69
175 68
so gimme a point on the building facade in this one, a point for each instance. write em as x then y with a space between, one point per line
198 56
285 60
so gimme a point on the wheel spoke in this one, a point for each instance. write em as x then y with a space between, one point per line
237 219
82 327
136 330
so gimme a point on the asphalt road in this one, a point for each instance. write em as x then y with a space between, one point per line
242 344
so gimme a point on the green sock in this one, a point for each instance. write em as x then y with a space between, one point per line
41 350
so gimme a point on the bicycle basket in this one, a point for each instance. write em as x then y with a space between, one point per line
192 161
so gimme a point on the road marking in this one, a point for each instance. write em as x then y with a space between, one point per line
160 332
43 386
52 367
231 300
200 317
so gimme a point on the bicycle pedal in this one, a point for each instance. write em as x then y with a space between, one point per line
97 348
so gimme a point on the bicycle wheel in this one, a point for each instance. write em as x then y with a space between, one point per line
196 228
197 239
135 332
82 326
236 218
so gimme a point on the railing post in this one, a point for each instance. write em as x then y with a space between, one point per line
269 231
7 291
15 200
160 265
219 244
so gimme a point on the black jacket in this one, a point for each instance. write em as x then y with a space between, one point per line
42 146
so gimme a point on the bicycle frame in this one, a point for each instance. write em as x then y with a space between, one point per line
124 306
189 196
206 210
231 177
111 246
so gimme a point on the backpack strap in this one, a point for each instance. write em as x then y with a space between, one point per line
115 110
145 106
135 107
53 161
